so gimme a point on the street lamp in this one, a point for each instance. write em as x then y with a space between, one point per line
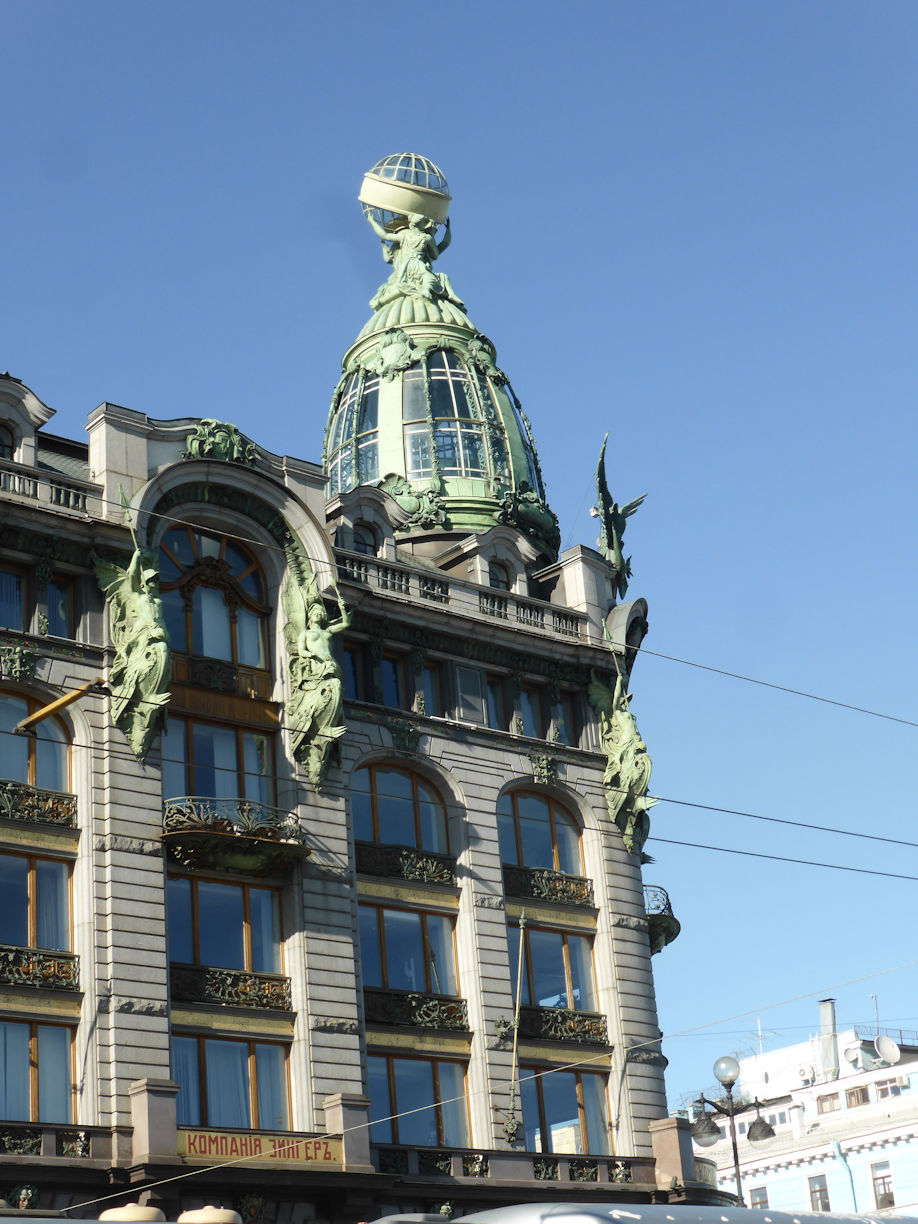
706 1132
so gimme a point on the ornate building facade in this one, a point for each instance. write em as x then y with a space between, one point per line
323 882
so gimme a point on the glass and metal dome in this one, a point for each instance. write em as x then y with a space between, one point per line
422 409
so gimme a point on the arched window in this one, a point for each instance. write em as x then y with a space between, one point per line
352 439
498 578
6 442
214 597
394 807
456 415
538 831
364 539
41 760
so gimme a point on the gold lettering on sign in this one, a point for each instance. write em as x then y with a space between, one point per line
243 1145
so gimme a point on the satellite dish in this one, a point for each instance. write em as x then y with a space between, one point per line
887 1049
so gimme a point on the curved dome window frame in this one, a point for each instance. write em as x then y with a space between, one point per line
353 439
371 819
239 583
448 416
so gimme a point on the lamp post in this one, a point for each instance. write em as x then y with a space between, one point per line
706 1132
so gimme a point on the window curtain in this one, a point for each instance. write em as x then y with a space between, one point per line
227 1070
55 1075
185 1074
14 1072
12 611
51 757
271 1078
53 905
14 749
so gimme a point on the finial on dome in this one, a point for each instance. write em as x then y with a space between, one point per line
402 184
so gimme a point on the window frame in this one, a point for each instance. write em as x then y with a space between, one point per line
857 1096
190 721
537 1074
7 442
22 573
195 881
881 1182
216 573
35 1069
241 1039
32 897
371 769
537 695
528 980
819 1192
32 741
430 974
554 806
393 1106
758 1197
828 1103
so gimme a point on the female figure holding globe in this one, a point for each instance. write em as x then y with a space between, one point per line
411 250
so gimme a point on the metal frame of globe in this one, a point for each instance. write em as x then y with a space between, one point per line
398 197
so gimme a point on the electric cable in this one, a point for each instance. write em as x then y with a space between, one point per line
580 1062
720 671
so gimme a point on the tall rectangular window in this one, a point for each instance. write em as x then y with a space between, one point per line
819 1193
564 1111
237 1084
59 603
36 1072
471 693
758 1197
857 1096
407 950
497 705
35 902
12 599
533 712
881 1175
557 969
230 926
218 762
418 1101
431 690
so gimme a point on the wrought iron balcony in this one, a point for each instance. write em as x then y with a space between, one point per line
663 925
19 801
545 885
234 987
37 967
636 1172
54 1140
415 1010
562 1024
405 863
231 835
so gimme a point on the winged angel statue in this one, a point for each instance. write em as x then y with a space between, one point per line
612 522
142 669
627 774
315 710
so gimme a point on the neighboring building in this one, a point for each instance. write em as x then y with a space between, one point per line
845 1120
235 940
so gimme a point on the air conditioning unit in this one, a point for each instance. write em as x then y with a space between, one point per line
807 1074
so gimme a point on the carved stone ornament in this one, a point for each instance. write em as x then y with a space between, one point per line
141 672
475 1165
17 663
315 709
438 1163
73 1144
583 1170
218 440
523 509
406 737
396 351
19 801
24 1197
651 1058
511 1128
20 1141
545 1168
480 352
252 1208
627 773
544 767
424 507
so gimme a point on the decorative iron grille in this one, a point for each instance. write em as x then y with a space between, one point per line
405 863
234 987
18 801
562 1024
415 1009
546 885
35 967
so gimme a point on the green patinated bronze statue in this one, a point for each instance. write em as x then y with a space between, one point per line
315 710
142 669
612 522
627 773
411 250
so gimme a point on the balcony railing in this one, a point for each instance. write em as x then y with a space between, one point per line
37 484
463 597
404 863
545 885
455 1163
563 1024
232 987
662 923
74 1143
231 835
19 801
39 967
415 1010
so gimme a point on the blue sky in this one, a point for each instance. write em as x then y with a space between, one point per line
690 224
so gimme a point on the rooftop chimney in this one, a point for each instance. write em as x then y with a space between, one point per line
828 1040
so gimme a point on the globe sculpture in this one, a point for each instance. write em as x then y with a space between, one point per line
403 184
